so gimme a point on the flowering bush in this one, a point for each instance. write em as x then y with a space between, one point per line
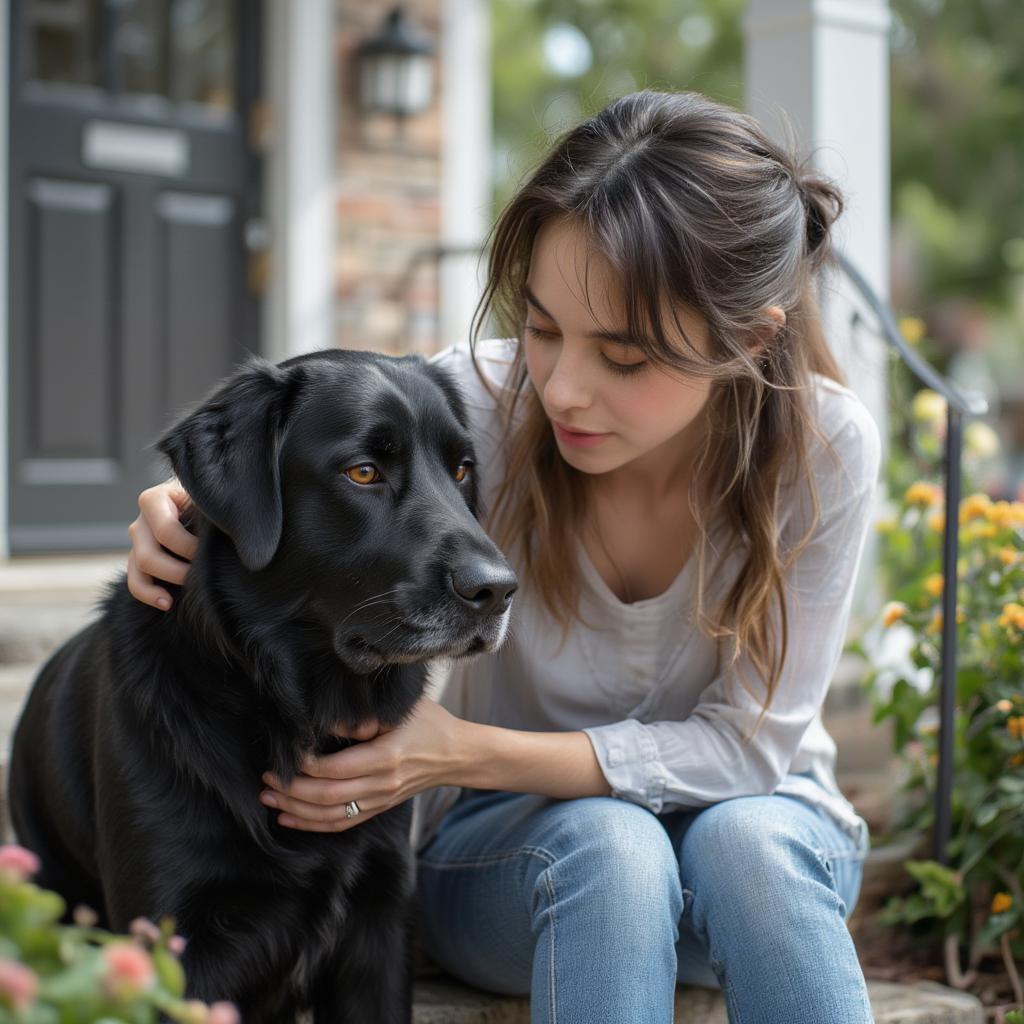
79 974
976 904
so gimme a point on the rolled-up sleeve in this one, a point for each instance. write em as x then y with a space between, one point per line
707 757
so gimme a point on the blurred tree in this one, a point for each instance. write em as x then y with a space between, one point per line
958 142
957 109
556 61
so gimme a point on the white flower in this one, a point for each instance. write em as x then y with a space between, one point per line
889 653
981 440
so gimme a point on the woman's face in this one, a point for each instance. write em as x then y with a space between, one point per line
590 378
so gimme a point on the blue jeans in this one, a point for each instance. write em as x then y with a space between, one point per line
596 907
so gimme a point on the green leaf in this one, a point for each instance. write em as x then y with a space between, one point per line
940 886
169 971
985 814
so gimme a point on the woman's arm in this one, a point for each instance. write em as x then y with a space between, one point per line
431 748
558 764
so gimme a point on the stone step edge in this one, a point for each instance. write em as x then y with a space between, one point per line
445 1001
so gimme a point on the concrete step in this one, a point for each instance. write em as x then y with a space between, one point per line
15 681
444 1001
45 599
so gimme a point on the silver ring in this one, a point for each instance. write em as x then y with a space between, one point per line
351 809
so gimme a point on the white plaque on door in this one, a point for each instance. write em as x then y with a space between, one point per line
135 148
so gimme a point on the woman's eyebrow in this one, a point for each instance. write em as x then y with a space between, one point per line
619 337
535 302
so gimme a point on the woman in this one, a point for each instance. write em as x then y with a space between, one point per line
638 788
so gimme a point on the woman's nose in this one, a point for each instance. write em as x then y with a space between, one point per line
566 387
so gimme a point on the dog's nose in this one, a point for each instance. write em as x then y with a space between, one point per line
485 586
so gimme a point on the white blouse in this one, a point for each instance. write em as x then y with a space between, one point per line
641 680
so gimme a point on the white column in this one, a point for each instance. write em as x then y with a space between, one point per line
5 130
299 196
465 158
825 63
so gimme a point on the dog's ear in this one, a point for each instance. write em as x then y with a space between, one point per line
226 453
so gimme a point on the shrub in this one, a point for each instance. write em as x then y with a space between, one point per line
51 973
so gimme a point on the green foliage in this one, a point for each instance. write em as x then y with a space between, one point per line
51 973
957 104
958 153
635 44
978 897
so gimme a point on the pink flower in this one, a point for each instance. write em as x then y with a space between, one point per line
17 863
143 928
18 984
223 1013
85 917
129 970
176 944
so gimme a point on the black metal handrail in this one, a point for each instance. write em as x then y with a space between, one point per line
958 405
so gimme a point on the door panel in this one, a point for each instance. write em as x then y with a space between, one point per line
131 180
200 260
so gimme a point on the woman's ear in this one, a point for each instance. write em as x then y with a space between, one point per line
759 338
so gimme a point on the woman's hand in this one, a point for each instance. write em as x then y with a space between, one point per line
158 523
389 766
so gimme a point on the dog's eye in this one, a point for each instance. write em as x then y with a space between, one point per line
462 472
366 473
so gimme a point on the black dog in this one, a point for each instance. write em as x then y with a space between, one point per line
338 549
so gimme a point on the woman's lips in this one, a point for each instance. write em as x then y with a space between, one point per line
577 438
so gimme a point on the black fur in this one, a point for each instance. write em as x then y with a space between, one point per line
311 601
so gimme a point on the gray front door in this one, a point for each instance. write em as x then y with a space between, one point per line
132 182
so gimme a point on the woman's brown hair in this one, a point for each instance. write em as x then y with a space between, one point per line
689 201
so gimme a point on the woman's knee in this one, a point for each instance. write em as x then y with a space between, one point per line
744 849
609 852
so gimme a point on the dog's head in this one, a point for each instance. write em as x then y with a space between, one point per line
346 481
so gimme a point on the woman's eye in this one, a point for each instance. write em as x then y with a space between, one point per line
536 332
624 368
462 472
365 473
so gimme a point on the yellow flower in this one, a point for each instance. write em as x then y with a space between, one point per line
928 406
1007 556
933 584
1006 513
1001 901
935 626
978 531
981 440
1017 759
937 522
923 493
912 328
975 506
893 612
1013 615
1015 727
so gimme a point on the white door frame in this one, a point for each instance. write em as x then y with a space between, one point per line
298 309
5 74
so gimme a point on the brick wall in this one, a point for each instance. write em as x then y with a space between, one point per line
387 199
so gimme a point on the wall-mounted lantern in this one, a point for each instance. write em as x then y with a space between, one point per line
395 69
